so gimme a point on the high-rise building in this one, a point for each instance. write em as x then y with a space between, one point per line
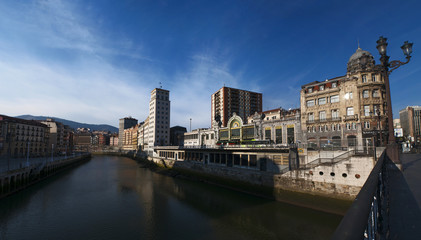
411 122
227 101
345 110
124 123
159 118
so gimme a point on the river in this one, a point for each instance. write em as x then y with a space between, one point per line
113 198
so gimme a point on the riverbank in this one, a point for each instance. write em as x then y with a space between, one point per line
312 201
17 180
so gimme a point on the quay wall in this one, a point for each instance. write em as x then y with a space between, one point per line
342 180
19 179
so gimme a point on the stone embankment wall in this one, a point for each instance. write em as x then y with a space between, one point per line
342 180
16 180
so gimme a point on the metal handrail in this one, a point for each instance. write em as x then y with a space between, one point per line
361 219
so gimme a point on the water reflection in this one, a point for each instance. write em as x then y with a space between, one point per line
112 198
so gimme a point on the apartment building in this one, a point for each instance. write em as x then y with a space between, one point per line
124 123
410 118
60 136
227 101
19 137
343 111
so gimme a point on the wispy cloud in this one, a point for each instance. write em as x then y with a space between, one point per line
193 89
95 93
90 89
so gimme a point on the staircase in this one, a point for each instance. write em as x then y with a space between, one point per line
329 161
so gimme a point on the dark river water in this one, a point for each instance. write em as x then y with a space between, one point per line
113 198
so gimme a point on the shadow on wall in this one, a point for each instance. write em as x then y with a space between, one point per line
262 179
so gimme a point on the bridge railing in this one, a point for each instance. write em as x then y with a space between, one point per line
367 217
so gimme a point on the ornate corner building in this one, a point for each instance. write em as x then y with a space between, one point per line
347 110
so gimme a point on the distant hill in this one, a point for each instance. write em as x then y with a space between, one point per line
72 124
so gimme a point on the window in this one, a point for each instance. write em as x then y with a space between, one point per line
348 126
373 78
348 95
366 124
354 126
334 98
322 88
367 110
310 90
320 129
338 127
310 117
364 78
376 109
349 111
334 85
326 128
376 93
335 114
278 133
322 101
290 135
333 127
365 94
310 103
267 134
322 115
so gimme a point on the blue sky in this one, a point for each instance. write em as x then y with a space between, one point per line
97 61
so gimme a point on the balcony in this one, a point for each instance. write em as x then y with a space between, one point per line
335 119
351 117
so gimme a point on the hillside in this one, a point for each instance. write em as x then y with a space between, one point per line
73 124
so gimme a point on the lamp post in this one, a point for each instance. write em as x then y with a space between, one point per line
27 155
387 68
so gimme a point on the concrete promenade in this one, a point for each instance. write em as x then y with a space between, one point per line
405 198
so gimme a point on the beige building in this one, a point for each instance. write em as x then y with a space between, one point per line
227 101
343 111
19 137
278 126
410 118
59 139
130 138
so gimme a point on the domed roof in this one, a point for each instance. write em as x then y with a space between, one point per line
358 54
360 60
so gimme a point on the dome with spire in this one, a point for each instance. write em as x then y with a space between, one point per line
360 60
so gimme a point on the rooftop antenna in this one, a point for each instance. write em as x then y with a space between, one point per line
358 41
160 85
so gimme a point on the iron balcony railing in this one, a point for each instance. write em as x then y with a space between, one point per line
367 217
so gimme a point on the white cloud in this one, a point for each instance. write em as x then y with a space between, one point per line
192 90
98 93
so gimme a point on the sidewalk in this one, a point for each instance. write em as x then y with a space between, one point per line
405 198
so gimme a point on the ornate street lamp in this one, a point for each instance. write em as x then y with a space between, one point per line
388 67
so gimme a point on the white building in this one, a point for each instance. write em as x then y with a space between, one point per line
200 137
155 131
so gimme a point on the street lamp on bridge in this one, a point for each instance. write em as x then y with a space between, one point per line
388 67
